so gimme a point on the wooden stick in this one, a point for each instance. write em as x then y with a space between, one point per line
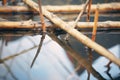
41 17
32 24
76 34
80 14
43 34
95 24
77 8
88 11
78 18
104 7
89 49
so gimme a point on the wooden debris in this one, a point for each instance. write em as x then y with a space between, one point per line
95 23
77 8
76 34
43 32
78 18
104 7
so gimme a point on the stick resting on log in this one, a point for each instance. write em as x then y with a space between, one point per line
76 34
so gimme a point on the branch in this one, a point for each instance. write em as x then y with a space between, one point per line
43 32
104 7
32 24
78 18
22 24
73 32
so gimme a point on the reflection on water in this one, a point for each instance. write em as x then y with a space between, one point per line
52 63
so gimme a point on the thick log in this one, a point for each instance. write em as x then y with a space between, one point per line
75 33
105 7
32 24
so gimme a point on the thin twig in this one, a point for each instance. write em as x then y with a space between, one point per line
17 54
9 25
95 24
78 18
104 7
89 50
88 11
43 34
38 50
93 33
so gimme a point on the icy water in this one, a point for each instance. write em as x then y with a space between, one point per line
17 69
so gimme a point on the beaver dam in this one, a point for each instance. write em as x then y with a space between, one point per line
59 40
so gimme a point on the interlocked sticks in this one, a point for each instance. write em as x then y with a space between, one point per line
76 34
89 50
95 24
78 18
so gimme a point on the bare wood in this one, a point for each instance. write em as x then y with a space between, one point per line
77 8
105 7
78 17
43 35
88 11
32 24
14 9
95 23
22 24
105 24
76 34
89 49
